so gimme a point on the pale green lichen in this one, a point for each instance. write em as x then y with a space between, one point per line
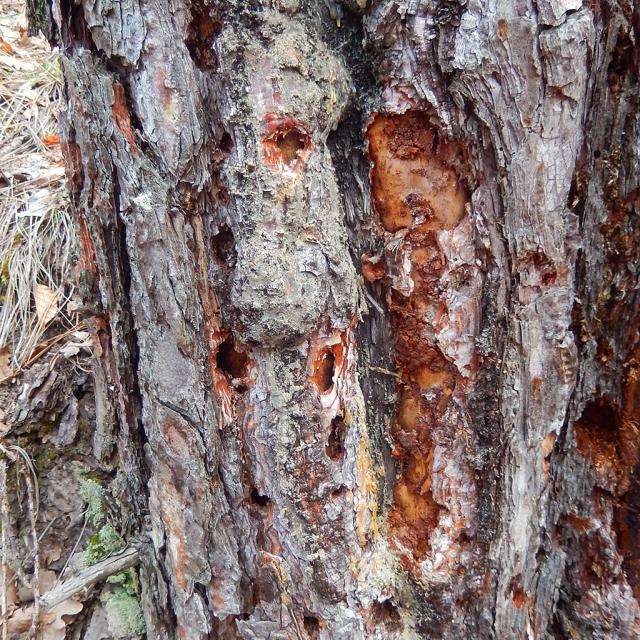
126 580
92 492
124 614
102 544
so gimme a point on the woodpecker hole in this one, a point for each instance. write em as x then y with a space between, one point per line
324 371
312 627
385 614
286 147
224 247
202 31
258 499
230 361
335 443
226 142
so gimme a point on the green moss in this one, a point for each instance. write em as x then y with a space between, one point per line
124 614
38 18
92 493
102 544
46 458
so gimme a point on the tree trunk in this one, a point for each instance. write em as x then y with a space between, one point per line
363 287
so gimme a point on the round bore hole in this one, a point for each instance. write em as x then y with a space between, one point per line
286 147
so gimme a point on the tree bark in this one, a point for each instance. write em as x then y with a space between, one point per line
362 281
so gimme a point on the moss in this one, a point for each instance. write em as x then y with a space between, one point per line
46 458
38 18
92 493
124 614
102 544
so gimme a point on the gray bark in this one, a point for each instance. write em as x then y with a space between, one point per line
362 280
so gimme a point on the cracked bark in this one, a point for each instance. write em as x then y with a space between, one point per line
364 292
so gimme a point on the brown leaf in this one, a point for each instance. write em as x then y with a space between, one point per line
54 627
52 553
51 140
53 623
6 370
5 46
46 582
20 621
46 303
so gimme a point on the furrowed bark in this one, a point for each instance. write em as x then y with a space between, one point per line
366 355
520 86
223 269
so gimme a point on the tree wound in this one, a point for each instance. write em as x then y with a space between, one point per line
286 148
417 189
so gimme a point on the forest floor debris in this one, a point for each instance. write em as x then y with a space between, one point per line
44 347
37 237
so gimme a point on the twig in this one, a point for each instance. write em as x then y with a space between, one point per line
395 374
75 546
373 302
28 462
90 576
3 493
44 348
35 583
44 531
8 536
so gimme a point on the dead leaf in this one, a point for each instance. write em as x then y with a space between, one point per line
51 140
52 623
5 46
70 350
46 582
78 340
54 627
52 553
20 621
6 370
46 303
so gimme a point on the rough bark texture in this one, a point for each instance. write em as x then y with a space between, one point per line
362 279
